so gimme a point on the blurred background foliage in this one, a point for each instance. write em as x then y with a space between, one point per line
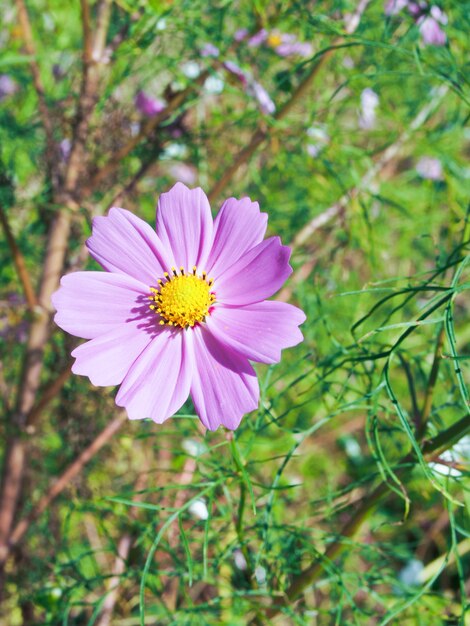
376 148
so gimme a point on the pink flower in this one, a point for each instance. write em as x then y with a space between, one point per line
429 168
284 44
252 87
7 86
209 50
258 38
241 34
429 27
181 310
395 6
237 71
147 105
296 48
263 98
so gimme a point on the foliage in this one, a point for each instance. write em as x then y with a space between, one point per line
219 526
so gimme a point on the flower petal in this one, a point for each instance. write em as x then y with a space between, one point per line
121 242
184 225
238 227
107 358
256 276
258 331
224 385
157 384
90 304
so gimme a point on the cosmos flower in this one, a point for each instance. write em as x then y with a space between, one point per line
7 86
284 44
252 87
392 7
430 29
147 105
429 168
428 18
209 50
181 310
241 34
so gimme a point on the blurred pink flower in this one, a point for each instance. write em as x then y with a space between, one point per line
257 39
297 48
395 6
147 105
252 87
181 310
241 34
284 44
234 69
428 19
429 168
209 50
257 90
429 27
7 86
65 148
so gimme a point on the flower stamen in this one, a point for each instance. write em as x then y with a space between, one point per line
184 299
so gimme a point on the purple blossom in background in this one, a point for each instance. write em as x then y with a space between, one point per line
393 7
416 9
234 69
429 27
257 90
428 19
182 310
241 34
430 168
65 147
209 50
284 44
257 39
148 106
7 86
58 72
252 87
298 48
369 102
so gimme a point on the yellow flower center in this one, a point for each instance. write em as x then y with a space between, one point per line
182 299
274 40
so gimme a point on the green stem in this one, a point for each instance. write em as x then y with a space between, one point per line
427 404
430 449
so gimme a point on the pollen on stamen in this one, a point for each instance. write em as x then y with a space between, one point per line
184 299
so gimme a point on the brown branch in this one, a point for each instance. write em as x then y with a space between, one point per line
18 260
30 48
150 125
92 61
68 475
48 394
86 28
14 460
